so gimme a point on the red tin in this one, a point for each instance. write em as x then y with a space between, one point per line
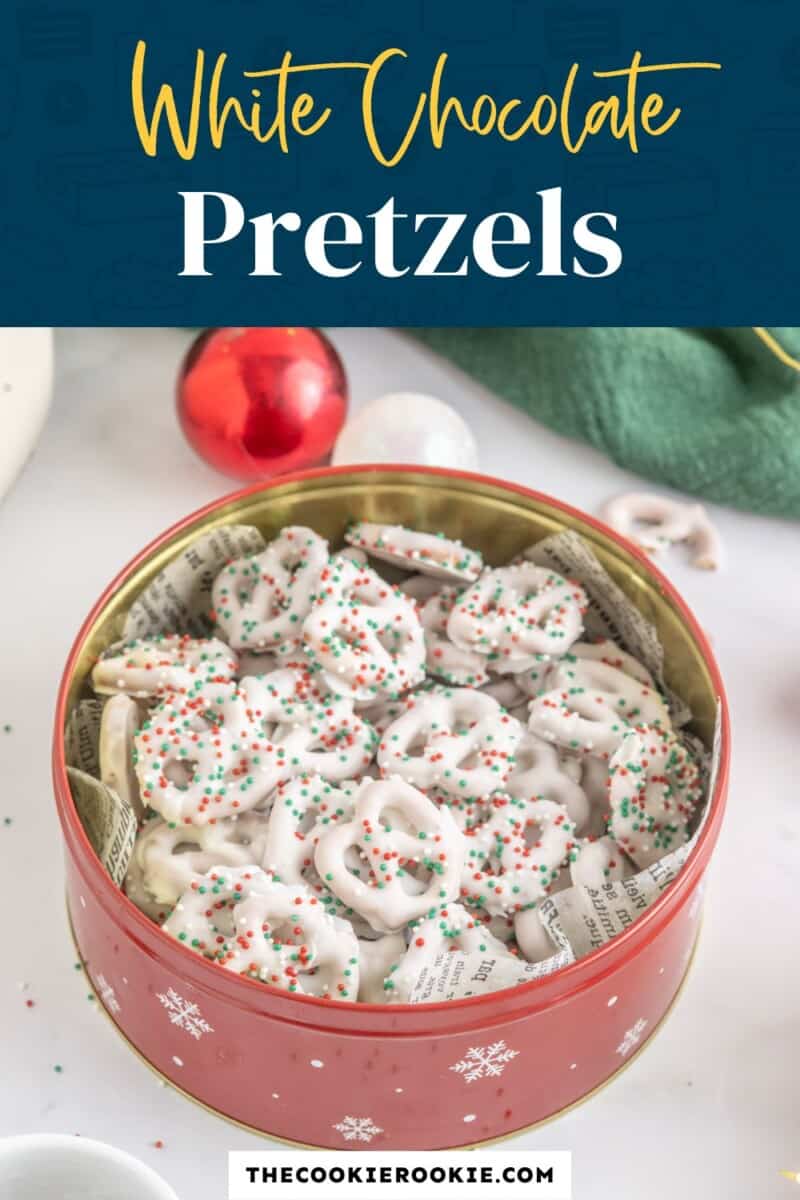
355 1076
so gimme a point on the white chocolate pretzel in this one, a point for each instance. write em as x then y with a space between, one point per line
226 748
404 841
582 722
431 554
303 809
654 787
637 702
599 861
513 614
260 602
515 856
654 522
118 724
154 666
605 651
202 757
168 858
457 741
541 774
443 659
592 774
249 924
363 635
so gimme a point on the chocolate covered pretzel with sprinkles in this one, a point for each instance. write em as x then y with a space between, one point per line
514 614
261 601
150 667
654 787
250 924
515 855
357 779
168 858
411 854
430 554
455 742
363 635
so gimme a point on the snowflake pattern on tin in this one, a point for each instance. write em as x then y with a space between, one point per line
358 1129
184 1014
484 1062
108 996
632 1037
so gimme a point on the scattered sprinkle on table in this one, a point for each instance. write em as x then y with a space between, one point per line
159 1145
7 728
59 1070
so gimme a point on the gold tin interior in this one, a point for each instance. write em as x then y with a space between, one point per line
497 521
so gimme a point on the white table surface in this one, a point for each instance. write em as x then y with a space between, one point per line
710 1110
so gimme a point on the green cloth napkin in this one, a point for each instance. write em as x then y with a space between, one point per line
713 412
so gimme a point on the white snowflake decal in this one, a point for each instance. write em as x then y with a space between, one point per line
632 1037
185 1015
358 1129
481 1062
107 994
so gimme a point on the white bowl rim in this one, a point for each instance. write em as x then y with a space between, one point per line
158 1188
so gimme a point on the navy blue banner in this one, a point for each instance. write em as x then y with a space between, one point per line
344 162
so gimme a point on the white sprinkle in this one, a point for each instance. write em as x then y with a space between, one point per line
613 1001
317 1062
469 1117
275 1096
572 1066
178 1061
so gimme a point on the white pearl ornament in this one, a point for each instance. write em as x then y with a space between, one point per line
407 427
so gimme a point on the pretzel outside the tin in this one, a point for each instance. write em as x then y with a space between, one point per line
654 522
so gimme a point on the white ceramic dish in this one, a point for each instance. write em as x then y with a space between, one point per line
52 1166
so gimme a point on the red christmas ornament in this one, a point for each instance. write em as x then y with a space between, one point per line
260 402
